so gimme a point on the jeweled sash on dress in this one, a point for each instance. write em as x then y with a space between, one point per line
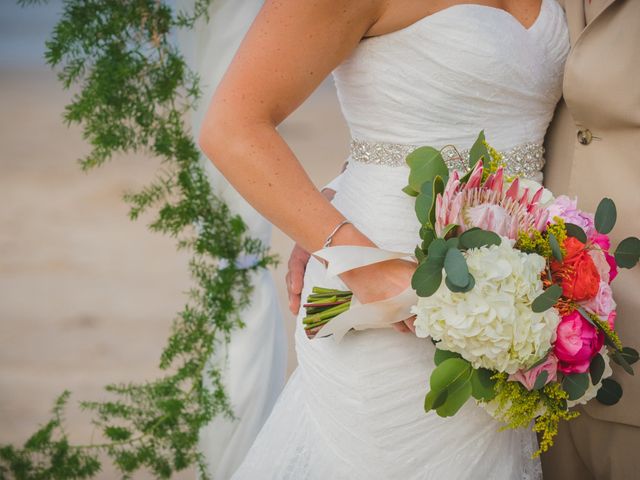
525 160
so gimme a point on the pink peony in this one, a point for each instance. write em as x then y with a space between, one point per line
601 240
567 209
613 266
528 377
576 344
603 303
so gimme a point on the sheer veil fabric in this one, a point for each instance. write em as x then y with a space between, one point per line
354 410
255 359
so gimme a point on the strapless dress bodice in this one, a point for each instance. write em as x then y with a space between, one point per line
448 75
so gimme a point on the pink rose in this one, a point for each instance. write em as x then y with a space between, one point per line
600 261
603 303
528 377
576 344
612 319
603 241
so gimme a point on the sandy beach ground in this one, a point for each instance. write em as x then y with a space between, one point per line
87 296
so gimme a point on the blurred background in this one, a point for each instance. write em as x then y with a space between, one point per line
86 295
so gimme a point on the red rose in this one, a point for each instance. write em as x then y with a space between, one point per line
577 273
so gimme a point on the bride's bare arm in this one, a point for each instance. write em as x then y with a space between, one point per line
290 48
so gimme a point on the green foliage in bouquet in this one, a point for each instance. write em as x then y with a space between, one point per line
132 90
427 179
454 381
442 256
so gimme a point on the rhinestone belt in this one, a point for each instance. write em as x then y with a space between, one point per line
525 160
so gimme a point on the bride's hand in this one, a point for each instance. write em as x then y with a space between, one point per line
381 281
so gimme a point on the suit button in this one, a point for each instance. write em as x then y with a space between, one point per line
585 136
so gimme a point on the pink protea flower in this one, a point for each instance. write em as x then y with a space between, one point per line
489 205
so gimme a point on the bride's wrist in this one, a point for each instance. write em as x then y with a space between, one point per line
348 234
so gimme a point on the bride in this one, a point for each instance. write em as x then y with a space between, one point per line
407 73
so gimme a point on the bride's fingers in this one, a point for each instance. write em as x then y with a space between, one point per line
405 326
410 323
400 327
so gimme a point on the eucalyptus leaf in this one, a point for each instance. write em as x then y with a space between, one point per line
596 369
476 238
456 398
452 242
427 188
606 215
547 299
427 236
555 247
434 399
628 252
442 355
617 357
422 208
575 385
587 317
455 266
610 392
419 254
410 191
465 178
630 355
451 372
448 229
427 278
541 380
483 385
478 150
455 289
438 189
425 164
425 230
575 231
438 250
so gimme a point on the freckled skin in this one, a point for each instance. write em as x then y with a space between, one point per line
290 48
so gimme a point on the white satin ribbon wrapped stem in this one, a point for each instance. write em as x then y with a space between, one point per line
362 316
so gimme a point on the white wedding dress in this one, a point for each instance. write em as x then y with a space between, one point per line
354 410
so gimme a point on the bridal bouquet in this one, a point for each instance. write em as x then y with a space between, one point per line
514 288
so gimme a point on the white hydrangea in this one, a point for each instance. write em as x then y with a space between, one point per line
493 325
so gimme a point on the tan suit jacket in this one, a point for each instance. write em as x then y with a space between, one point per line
593 151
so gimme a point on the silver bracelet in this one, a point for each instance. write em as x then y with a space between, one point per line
329 239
